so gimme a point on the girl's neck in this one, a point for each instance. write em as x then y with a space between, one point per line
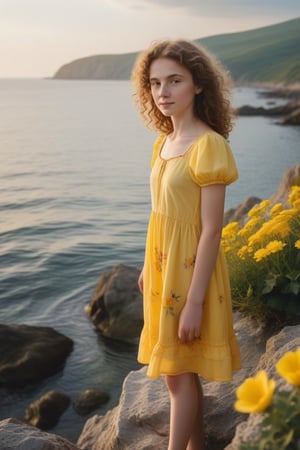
182 131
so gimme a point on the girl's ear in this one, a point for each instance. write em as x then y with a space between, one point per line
198 90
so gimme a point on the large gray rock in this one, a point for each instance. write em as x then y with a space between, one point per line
141 420
30 353
15 435
288 339
116 307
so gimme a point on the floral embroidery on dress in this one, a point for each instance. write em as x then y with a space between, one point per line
170 302
189 262
160 259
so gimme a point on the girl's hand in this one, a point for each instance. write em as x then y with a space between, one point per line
141 281
190 322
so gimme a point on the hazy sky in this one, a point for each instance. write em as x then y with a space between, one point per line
38 36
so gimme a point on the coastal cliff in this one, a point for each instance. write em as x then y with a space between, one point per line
265 55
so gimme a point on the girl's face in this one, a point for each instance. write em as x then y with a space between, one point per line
172 88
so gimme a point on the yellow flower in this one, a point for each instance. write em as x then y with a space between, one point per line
170 302
297 244
230 230
255 394
294 195
250 225
275 246
261 254
276 209
259 209
289 367
243 252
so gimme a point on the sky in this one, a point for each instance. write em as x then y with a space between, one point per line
39 36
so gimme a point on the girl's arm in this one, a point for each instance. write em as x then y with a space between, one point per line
212 210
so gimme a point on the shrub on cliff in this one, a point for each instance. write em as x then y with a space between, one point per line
264 260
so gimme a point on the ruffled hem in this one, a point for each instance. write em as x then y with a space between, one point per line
212 362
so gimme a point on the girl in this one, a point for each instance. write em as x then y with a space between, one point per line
181 91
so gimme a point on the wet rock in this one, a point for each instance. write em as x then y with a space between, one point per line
116 307
45 412
15 435
29 353
89 400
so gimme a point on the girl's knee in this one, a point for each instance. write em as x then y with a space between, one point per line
176 383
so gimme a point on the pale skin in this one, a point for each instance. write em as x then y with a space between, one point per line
173 91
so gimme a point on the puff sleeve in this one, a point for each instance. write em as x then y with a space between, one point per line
211 161
156 148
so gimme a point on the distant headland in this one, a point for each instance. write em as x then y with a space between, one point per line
268 55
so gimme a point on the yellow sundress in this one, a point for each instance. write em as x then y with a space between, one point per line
172 240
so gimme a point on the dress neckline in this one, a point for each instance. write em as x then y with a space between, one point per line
181 155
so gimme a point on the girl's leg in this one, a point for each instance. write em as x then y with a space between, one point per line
186 413
196 441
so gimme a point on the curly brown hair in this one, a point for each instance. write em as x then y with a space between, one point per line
212 105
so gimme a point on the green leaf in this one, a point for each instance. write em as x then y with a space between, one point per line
293 287
293 275
269 284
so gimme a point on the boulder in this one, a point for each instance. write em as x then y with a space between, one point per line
290 177
30 353
45 412
89 400
288 339
15 435
116 307
239 214
141 420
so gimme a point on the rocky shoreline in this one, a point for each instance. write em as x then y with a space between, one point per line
287 114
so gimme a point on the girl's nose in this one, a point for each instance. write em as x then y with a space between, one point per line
164 90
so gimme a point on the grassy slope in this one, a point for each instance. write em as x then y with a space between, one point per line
269 54
265 54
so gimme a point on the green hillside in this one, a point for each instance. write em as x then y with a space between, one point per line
268 54
265 54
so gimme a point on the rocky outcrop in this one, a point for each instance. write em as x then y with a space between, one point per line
239 213
89 400
45 412
290 178
116 307
29 353
290 112
15 435
287 340
141 419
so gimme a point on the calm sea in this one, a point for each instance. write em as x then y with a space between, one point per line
74 168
